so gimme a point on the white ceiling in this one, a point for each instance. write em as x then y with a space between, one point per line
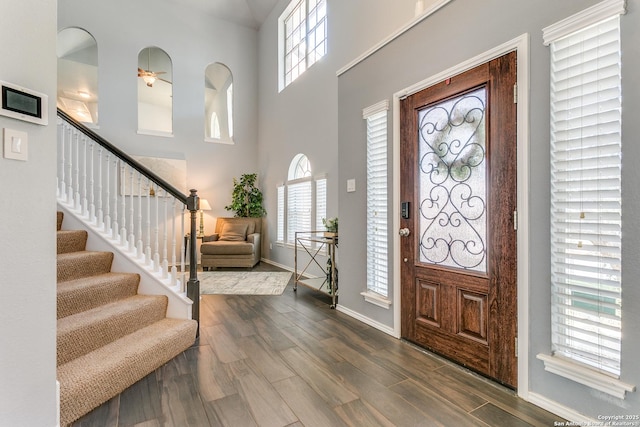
250 13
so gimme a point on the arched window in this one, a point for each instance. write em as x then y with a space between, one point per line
214 129
77 95
155 92
299 168
218 103
302 201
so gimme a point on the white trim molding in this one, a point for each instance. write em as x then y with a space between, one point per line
583 375
375 299
428 12
583 19
521 46
373 323
375 108
562 411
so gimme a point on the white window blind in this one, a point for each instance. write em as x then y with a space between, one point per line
280 219
586 195
299 203
377 216
321 202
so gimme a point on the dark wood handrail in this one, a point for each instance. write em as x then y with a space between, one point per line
124 156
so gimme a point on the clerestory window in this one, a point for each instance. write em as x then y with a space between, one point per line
302 30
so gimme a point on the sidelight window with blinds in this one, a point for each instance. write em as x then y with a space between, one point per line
586 223
377 212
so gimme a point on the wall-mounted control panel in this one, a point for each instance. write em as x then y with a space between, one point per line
23 104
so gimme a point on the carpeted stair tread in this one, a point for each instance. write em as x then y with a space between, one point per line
71 241
87 331
75 265
90 380
59 218
86 293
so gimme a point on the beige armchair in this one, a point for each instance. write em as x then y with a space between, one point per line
235 243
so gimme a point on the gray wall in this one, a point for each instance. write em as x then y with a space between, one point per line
303 118
27 208
193 40
462 30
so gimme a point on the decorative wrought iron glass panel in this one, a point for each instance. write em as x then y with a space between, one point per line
452 177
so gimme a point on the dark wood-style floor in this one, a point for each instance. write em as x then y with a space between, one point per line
292 361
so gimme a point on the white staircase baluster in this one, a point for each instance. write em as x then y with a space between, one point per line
139 244
107 194
61 143
132 237
92 172
76 171
114 227
156 234
165 242
123 220
147 249
85 200
69 165
174 269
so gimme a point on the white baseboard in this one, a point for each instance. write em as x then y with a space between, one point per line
57 403
561 410
277 264
373 323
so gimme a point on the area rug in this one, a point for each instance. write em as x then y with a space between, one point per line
243 282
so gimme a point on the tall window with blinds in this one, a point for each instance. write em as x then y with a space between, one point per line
586 195
302 201
299 205
377 211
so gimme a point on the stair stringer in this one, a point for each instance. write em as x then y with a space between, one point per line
151 283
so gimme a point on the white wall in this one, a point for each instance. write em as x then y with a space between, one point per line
193 40
27 229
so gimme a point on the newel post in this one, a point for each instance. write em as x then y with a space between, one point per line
193 285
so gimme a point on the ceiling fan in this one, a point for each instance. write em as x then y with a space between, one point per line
149 76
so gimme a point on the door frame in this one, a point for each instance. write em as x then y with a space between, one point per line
521 46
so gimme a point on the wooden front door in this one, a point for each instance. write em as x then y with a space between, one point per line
458 193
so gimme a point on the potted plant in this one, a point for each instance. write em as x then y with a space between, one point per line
246 198
331 224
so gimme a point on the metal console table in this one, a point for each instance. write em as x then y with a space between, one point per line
313 242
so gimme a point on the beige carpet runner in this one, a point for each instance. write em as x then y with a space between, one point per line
108 336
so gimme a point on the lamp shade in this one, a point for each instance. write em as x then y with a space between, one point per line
204 205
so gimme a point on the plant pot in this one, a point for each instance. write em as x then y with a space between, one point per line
330 234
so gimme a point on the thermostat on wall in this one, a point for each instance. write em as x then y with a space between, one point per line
24 104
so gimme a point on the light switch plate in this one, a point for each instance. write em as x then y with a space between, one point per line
351 185
15 144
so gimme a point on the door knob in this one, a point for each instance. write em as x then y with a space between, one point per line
404 232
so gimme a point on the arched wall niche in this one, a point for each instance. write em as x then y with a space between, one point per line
155 92
77 94
218 103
